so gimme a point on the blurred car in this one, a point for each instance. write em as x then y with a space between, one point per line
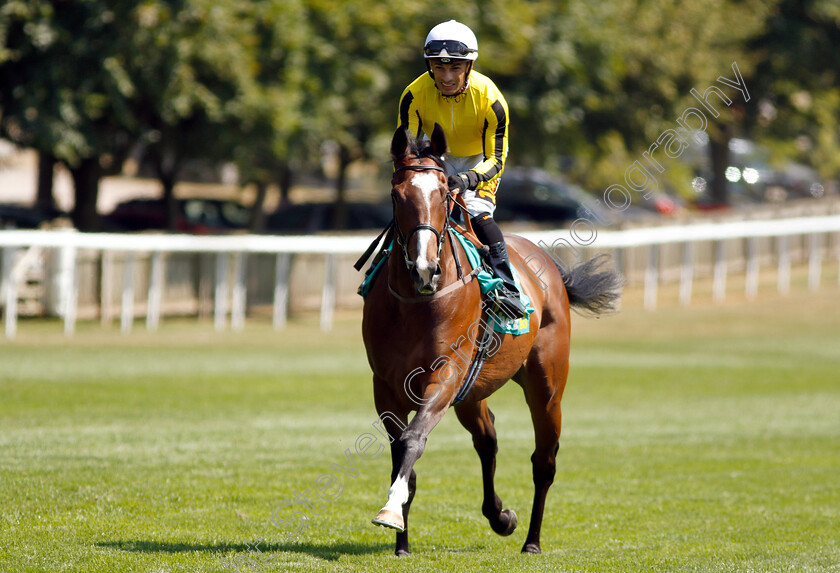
534 195
13 216
306 218
198 216
751 177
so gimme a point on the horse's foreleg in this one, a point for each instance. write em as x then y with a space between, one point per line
401 548
395 425
477 418
409 448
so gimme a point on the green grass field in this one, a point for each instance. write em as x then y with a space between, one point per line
701 439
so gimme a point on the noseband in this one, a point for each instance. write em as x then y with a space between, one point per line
403 240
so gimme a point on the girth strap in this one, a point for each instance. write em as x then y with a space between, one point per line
477 363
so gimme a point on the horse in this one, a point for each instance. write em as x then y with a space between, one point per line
422 316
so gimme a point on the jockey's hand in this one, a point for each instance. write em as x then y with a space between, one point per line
460 182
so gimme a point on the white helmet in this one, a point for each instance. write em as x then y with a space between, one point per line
451 41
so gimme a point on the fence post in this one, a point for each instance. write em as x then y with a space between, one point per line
651 277
814 261
328 294
719 280
220 311
783 280
155 297
281 289
127 310
240 293
686 273
206 282
751 282
8 262
70 288
8 288
106 287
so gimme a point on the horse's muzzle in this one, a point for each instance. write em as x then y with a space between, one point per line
426 279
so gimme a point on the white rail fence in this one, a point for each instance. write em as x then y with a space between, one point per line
229 285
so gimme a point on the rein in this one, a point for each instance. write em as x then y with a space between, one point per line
439 294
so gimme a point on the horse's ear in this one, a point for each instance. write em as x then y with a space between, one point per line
399 144
439 145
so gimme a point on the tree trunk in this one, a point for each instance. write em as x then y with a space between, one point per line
285 183
170 205
86 177
340 211
166 166
257 223
44 200
719 154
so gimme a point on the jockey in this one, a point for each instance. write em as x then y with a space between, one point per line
474 115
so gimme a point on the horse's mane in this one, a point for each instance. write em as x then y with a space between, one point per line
419 146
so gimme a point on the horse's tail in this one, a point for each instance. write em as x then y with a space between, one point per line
592 288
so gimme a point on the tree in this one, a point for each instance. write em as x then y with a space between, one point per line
605 79
797 82
195 78
70 56
101 76
266 137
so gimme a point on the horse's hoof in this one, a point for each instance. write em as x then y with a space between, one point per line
402 553
390 519
507 523
533 548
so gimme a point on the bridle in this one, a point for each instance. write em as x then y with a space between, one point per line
440 236
401 239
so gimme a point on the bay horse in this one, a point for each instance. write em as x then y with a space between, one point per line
419 326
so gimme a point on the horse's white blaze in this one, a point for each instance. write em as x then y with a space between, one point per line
427 183
397 495
422 262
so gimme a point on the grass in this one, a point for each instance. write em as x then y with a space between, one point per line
700 439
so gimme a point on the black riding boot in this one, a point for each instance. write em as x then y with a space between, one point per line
507 297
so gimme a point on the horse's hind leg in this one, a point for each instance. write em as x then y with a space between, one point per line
477 418
544 385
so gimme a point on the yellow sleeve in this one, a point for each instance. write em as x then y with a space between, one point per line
495 136
409 116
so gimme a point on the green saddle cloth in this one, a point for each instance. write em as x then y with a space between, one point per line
486 281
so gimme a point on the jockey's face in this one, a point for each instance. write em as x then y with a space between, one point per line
449 78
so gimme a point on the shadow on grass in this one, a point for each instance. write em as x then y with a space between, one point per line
327 551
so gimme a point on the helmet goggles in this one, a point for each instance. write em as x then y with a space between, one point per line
453 48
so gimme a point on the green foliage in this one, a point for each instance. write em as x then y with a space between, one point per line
605 79
64 86
267 83
798 79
